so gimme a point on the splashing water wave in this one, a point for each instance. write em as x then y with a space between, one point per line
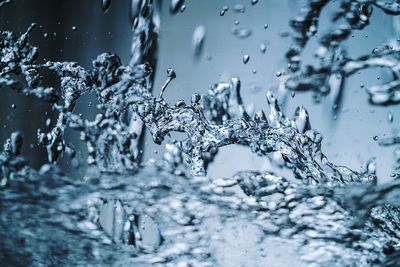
168 213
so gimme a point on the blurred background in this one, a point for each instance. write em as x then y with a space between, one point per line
348 139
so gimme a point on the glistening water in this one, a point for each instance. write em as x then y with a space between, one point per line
126 209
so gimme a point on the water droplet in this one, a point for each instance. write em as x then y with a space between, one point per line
390 117
171 73
376 138
254 71
183 8
239 8
195 100
175 6
265 26
246 59
105 5
302 120
278 74
134 10
13 106
254 2
365 10
198 38
46 35
74 28
293 94
284 34
236 22
224 9
241 33
263 48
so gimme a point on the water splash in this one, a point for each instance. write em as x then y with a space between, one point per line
332 56
122 214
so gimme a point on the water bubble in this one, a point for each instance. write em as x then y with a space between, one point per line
246 59
278 74
265 26
293 94
236 22
74 28
241 33
13 106
375 138
222 12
